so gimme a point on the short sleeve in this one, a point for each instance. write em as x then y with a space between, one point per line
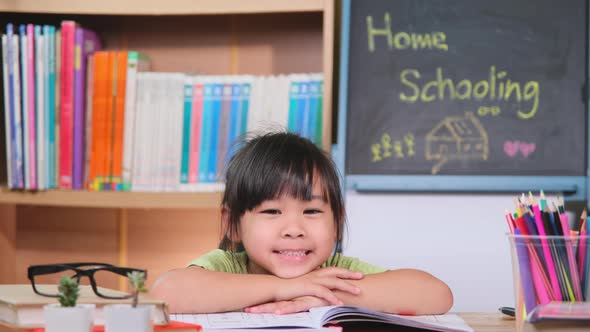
222 261
353 264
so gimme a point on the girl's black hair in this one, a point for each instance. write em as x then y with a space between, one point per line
273 164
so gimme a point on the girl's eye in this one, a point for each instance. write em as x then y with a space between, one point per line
271 211
312 211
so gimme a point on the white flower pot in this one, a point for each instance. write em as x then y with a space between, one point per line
125 318
68 319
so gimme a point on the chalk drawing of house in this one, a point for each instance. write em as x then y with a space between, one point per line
456 138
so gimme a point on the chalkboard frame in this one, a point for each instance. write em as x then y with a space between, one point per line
572 187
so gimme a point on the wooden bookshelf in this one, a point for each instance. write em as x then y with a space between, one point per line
106 199
158 231
161 7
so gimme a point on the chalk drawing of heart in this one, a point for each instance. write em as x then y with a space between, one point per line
511 148
527 148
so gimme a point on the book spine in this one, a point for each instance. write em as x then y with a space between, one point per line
214 138
85 43
25 102
99 110
129 122
66 104
245 106
31 106
50 106
18 123
88 119
197 118
40 107
235 118
206 131
186 130
118 120
293 124
8 122
224 129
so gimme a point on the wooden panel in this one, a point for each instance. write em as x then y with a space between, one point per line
163 240
57 235
7 243
110 199
159 7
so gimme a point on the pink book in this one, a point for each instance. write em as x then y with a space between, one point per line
86 42
193 168
66 106
31 102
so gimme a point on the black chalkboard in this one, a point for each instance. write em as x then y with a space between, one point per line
460 87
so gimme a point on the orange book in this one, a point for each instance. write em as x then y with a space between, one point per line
119 84
100 101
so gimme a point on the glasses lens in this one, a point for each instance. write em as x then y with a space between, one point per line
47 284
108 279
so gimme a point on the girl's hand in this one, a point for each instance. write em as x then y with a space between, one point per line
319 283
299 304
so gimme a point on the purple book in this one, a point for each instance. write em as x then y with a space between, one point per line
86 42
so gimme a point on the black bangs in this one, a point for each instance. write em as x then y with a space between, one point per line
280 167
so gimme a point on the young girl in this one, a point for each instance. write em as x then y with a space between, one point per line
283 219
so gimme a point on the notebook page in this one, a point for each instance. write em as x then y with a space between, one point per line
232 320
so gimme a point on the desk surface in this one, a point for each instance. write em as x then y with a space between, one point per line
489 322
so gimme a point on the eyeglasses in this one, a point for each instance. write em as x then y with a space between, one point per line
94 272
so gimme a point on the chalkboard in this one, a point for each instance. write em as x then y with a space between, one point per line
460 87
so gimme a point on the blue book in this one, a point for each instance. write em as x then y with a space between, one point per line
314 109
235 119
293 124
49 32
206 131
12 176
214 134
303 109
186 133
245 97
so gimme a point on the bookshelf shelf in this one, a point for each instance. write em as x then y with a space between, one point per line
159 7
105 199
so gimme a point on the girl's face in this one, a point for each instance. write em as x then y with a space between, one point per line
288 237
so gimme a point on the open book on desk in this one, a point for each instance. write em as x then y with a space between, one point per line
322 316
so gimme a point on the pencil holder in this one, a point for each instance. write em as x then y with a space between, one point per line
548 270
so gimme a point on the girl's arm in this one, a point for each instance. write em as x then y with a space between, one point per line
404 291
197 290
399 292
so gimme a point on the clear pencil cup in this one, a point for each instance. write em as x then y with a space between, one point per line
548 269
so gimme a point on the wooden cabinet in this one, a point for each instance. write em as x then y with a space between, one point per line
158 231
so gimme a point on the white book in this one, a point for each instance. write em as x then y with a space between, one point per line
136 62
18 123
40 114
25 109
140 160
7 110
176 137
320 316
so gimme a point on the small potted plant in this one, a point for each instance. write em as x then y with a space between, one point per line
134 317
67 316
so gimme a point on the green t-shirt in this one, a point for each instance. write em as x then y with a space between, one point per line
227 261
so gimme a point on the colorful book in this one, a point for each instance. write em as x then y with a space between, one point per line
118 97
86 42
100 101
224 128
31 108
196 122
40 107
50 104
186 130
9 130
66 130
25 105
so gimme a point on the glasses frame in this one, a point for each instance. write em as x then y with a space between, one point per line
39 270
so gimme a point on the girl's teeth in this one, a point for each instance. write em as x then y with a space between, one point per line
292 253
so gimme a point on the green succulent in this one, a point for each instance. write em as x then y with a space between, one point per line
137 282
69 291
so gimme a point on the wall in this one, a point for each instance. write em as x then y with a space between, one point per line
459 238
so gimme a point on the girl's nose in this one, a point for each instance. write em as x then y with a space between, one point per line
293 228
